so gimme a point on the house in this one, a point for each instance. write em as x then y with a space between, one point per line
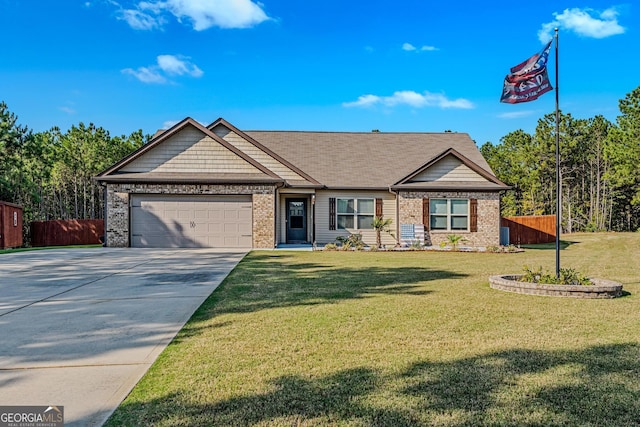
219 186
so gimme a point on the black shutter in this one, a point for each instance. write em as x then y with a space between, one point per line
332 213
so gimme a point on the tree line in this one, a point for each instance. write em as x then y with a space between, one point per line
50 173
599 170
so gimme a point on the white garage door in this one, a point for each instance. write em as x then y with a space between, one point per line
160 221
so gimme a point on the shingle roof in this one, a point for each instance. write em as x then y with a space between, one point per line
337 160
364 159
451 186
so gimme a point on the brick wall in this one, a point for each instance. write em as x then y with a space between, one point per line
488 233
264 221
117 218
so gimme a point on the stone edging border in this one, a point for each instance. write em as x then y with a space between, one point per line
601 289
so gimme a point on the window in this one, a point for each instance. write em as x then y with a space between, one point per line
355 213
449 214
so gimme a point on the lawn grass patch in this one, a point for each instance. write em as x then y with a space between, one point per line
393 339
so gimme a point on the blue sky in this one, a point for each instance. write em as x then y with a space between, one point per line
418 66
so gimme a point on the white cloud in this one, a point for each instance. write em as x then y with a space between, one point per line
516 114
405 97
584 22
166 65
146 74
411 48
412 99
169 124
408 47
200 14
178 66
141 21
363 101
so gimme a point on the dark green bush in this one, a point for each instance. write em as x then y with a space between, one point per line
568 276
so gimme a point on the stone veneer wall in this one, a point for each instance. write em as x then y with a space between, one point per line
488 234
263 198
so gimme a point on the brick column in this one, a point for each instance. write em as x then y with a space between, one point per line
264 221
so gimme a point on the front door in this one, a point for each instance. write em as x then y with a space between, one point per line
296 220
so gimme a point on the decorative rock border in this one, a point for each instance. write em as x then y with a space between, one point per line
601 289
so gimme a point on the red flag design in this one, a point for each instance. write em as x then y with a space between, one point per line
528 80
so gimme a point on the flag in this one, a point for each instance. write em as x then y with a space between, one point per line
527 80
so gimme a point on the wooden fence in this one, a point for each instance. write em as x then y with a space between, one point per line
528 230
66 233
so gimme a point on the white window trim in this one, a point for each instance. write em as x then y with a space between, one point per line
450 215
356 212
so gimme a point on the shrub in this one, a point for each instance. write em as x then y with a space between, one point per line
503 249
453 240
380 224
416 245
568 276
354 241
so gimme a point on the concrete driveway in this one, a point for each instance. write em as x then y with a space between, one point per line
79 327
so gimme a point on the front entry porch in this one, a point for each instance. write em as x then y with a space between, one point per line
295 247
295 220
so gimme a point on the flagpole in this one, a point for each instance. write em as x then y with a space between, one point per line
558 183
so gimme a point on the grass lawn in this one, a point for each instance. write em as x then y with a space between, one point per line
402 339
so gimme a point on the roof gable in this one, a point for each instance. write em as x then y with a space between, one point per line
449 168
259 152
449 165
188 147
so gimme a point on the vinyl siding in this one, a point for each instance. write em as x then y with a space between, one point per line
324 235
448 169
190 151
256 154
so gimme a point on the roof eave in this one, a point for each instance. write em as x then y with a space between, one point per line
448 187
114 179
356 188
310 185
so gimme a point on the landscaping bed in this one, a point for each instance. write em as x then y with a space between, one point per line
601 288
